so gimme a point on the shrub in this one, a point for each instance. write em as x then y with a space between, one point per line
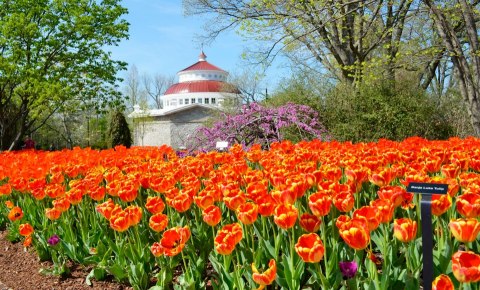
119 130
256 124
383 110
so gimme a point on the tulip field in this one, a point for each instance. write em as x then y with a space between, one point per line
311 215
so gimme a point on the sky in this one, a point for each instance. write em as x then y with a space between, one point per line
163 41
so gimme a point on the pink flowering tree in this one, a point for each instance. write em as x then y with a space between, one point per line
256 124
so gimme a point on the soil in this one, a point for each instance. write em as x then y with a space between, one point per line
20 270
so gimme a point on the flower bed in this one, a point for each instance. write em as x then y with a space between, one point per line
315 214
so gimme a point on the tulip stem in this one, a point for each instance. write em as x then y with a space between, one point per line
324 237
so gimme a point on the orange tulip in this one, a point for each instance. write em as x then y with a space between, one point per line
181 202
15 214
267 277
310 223
120 221
344 201
97 193
155 204
25 229
236 230
158 222
5 189
354 232
451 170
233 196
134 214
385 209
107 208
370 214
204 199
468 205
442 282
404 229
266 205
9 204
440 203
393 193
466 266
173 240
382 178
285 216
128 190
212 215
74 196
62 204
465 230
52 213
227 238
54 190
28 241
310 248
156 249
247 213
319 204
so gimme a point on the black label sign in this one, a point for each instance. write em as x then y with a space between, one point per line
428 188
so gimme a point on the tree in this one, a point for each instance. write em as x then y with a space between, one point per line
52 55
156 86
249 84
341 35
134 92
256 124
119 130
464 50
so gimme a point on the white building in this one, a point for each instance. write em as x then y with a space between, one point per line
201 88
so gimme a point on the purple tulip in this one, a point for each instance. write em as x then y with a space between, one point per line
53 240
349 269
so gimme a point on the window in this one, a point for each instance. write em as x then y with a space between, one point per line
213 101
199 100
173 102
193 100
206 100
181 101
186 101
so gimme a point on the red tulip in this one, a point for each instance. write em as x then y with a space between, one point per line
212 215
465 230
466 266
247 213
319 204
310 248
310 223
285 216
442 282
405 229
267 277
158 222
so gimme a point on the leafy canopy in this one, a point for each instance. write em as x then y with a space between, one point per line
53 57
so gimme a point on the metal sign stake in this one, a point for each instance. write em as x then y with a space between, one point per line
426 190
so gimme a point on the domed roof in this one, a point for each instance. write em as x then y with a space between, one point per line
202 64
204 86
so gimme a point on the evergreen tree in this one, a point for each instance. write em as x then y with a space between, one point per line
119 130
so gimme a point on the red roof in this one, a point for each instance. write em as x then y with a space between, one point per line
199 87
202 65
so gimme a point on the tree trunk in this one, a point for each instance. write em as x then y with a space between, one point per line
468 73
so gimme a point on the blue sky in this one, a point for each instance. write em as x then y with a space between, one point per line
162 40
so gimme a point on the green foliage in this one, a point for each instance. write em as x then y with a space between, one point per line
53 58
382 109
119 130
